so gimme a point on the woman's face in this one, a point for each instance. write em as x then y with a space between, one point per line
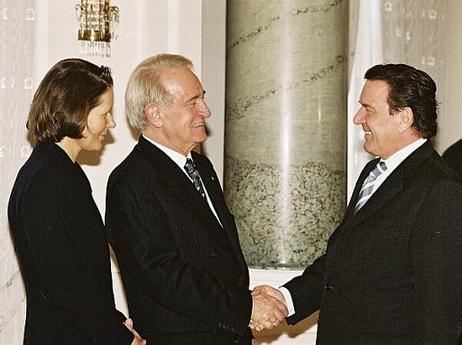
98 123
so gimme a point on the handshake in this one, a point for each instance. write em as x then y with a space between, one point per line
268 309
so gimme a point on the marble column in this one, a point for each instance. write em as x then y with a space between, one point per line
285 137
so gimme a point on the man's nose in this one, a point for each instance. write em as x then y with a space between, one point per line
206 110
359 116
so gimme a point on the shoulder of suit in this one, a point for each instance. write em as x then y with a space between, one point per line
442 169
46 167
430 171
134 163
200 158
454 151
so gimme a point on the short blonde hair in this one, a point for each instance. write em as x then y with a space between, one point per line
144 85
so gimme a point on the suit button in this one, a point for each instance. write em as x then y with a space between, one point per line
214 255
328 287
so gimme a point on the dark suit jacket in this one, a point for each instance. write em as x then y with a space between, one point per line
453 155
184 275
392 273
62 249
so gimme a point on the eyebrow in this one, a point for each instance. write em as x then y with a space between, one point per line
196 96
365 105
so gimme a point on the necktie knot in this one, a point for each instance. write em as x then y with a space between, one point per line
193 173
368 185
379 169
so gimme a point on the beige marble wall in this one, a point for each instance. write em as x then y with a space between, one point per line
449 117
17 26
285 126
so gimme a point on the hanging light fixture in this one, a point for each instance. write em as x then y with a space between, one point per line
97 26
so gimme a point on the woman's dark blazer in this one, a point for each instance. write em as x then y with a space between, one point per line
63 253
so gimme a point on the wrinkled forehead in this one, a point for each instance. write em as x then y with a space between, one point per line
181 82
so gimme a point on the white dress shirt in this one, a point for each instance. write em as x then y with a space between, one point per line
392 163
180 160
395 160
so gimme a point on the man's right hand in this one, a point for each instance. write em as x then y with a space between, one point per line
267 310
269 290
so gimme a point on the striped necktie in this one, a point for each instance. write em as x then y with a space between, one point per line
368 185
193 173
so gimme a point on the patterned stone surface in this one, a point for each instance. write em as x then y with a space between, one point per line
280 228
285 137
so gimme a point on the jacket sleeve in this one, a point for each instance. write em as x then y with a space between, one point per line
437 258
306 290
56 248
144 243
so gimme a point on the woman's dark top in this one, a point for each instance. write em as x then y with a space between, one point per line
63 253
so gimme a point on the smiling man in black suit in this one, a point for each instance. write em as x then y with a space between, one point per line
184 274
392 272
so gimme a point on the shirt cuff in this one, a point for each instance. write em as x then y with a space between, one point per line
289 301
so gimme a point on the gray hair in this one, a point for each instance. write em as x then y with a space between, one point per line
145 87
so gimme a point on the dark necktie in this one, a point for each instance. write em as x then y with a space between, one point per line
194 175
368 185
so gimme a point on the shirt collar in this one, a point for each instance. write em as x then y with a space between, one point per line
396 158
175 156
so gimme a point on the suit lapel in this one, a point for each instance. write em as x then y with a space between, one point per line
211 184
216 197
392 186
349 214
364 174
171 177
169 174
382 196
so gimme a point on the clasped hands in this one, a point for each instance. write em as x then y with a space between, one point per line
269 308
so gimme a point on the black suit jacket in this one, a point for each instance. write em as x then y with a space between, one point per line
453 155
184 275
392 273
64 256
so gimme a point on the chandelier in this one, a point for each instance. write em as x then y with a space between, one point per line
97 26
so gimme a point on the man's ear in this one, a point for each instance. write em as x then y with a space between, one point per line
152 114
404 119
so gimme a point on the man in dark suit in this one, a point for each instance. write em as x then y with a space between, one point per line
392 272
453 155
184 274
